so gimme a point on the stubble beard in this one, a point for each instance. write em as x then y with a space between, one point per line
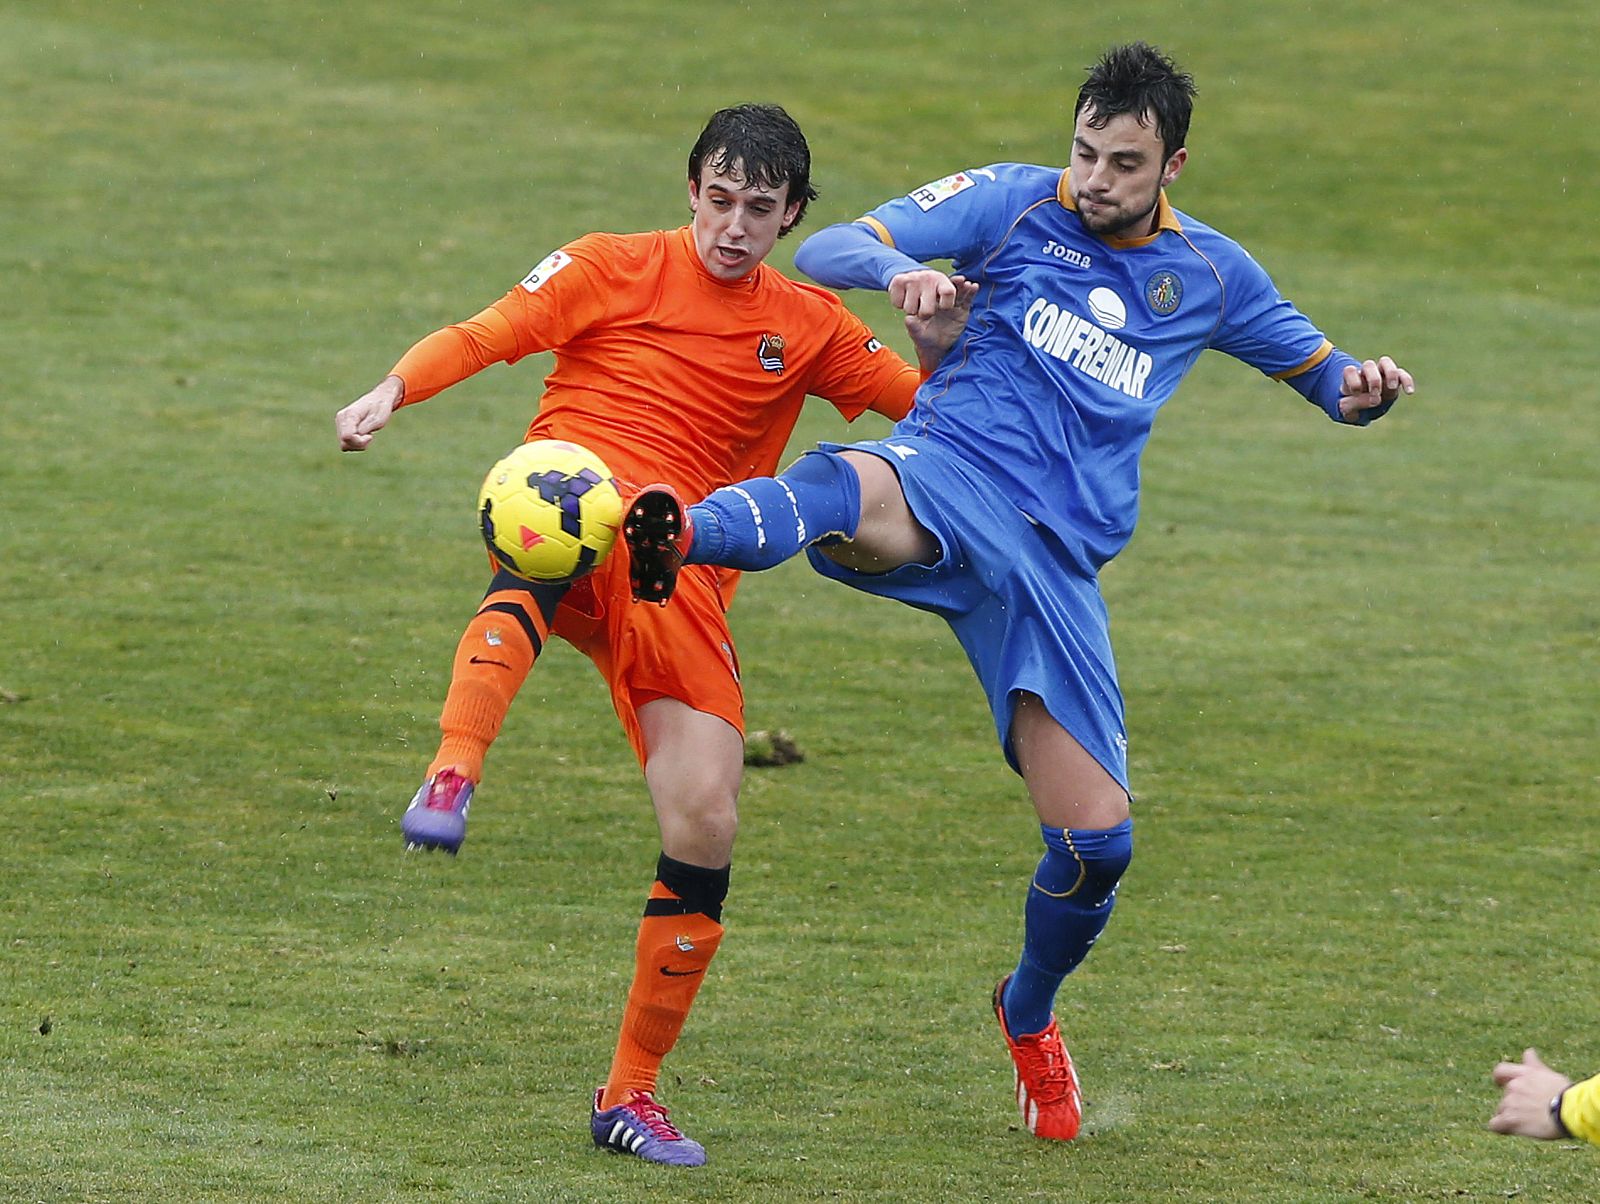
1115 224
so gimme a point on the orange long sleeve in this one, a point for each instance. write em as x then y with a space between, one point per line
450 355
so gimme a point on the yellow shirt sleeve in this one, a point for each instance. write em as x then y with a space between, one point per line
1580 1109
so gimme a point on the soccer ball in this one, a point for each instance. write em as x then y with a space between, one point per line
550 511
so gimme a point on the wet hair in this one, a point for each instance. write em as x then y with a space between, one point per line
763 145
1138 79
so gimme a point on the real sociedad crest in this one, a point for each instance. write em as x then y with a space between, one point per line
770 353
1163 292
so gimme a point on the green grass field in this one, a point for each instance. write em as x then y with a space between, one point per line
1360 666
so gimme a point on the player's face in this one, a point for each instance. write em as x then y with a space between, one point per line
1118 173
735 223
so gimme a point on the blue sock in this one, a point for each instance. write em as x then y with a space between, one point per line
762 522
1069 902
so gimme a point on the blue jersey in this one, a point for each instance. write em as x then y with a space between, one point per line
1075 341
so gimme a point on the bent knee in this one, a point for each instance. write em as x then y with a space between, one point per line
888 535
705 821
1085 863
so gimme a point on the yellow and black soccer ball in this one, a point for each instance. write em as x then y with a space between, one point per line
550 511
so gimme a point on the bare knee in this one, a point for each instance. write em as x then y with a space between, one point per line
693 770
888 535
699 826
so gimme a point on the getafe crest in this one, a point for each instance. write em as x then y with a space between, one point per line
770 353
1163 292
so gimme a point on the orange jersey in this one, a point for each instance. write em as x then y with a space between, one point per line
664 371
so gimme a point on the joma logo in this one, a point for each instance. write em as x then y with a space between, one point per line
1067 254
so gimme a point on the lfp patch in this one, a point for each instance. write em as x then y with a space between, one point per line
1163 292
546 268
939 191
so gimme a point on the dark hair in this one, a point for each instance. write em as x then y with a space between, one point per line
1139 79
764 145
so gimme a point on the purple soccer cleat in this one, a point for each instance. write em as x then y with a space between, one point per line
437 816
639 1126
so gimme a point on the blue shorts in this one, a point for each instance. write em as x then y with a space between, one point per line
1026 614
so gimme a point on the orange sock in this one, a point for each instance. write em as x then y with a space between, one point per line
670 961
492 661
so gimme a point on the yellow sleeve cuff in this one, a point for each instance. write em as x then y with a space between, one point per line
1580 1110
1321 353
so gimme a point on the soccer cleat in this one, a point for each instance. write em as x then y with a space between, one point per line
639 1126
437 816
1047 1086
657 530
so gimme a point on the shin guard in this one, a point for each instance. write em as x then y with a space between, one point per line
678 937
1069 902
493 659
759 523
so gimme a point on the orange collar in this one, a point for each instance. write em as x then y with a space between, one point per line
747 283
1166 218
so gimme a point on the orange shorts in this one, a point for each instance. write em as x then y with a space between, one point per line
682 650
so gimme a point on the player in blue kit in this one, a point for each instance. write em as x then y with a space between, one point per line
1015 477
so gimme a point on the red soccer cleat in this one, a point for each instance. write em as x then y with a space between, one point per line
1047 1086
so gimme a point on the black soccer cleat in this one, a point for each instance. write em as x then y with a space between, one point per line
657 531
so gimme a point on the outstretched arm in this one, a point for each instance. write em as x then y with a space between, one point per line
1351 391
1368 390
850 255
435 362
1528 1089
368 414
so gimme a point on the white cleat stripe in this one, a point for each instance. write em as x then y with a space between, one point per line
619 1127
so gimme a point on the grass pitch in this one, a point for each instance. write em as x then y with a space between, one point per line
1360 666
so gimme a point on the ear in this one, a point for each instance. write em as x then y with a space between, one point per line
790 216
694 195
1174 165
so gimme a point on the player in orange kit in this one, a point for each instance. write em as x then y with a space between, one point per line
680 358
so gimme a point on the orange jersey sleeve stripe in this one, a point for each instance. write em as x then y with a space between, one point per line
1320 354
878 228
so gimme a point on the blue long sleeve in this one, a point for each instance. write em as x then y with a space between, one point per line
1323 386
849 255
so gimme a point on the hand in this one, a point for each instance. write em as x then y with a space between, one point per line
1529 1086
933 336
368 414
1373 384
922 293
